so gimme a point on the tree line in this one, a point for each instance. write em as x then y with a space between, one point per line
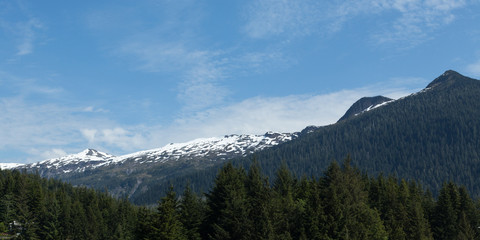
343 203
32 207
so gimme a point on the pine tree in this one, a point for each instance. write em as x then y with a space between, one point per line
258 203
192 212
144 224
445 218
49 221
346 205
167 224
283 204
227 216
78 221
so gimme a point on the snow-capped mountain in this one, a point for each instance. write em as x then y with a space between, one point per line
203 149
87 159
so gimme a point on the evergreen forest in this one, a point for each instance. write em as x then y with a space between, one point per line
342 203
431 137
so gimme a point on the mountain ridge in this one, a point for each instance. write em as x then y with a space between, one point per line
170 159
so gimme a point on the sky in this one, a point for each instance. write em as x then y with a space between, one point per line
124 76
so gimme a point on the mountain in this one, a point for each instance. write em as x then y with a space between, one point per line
365 104
431 136
124 175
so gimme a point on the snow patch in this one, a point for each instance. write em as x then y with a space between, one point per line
4 166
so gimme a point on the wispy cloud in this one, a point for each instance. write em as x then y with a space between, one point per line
418 20
409 21
24 30
25 87
269 18
199 72
27 34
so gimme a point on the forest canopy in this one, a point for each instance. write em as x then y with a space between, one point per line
343 203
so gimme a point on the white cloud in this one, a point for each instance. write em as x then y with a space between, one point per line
283 114
89 134
38 129
49 154
122 138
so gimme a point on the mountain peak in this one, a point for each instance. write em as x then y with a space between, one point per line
448 78
365 104
90 152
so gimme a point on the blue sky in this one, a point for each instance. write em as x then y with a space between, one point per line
122 76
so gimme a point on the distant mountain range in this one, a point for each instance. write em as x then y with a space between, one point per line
171 159
430 136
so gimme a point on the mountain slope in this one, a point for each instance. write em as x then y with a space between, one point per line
365 104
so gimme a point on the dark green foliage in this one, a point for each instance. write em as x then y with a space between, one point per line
258 203
166 224
227 216
343 203
349 215
455 216
401 207
192 212
49 209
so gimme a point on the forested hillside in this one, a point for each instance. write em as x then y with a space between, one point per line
431 136
243 204
36 208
